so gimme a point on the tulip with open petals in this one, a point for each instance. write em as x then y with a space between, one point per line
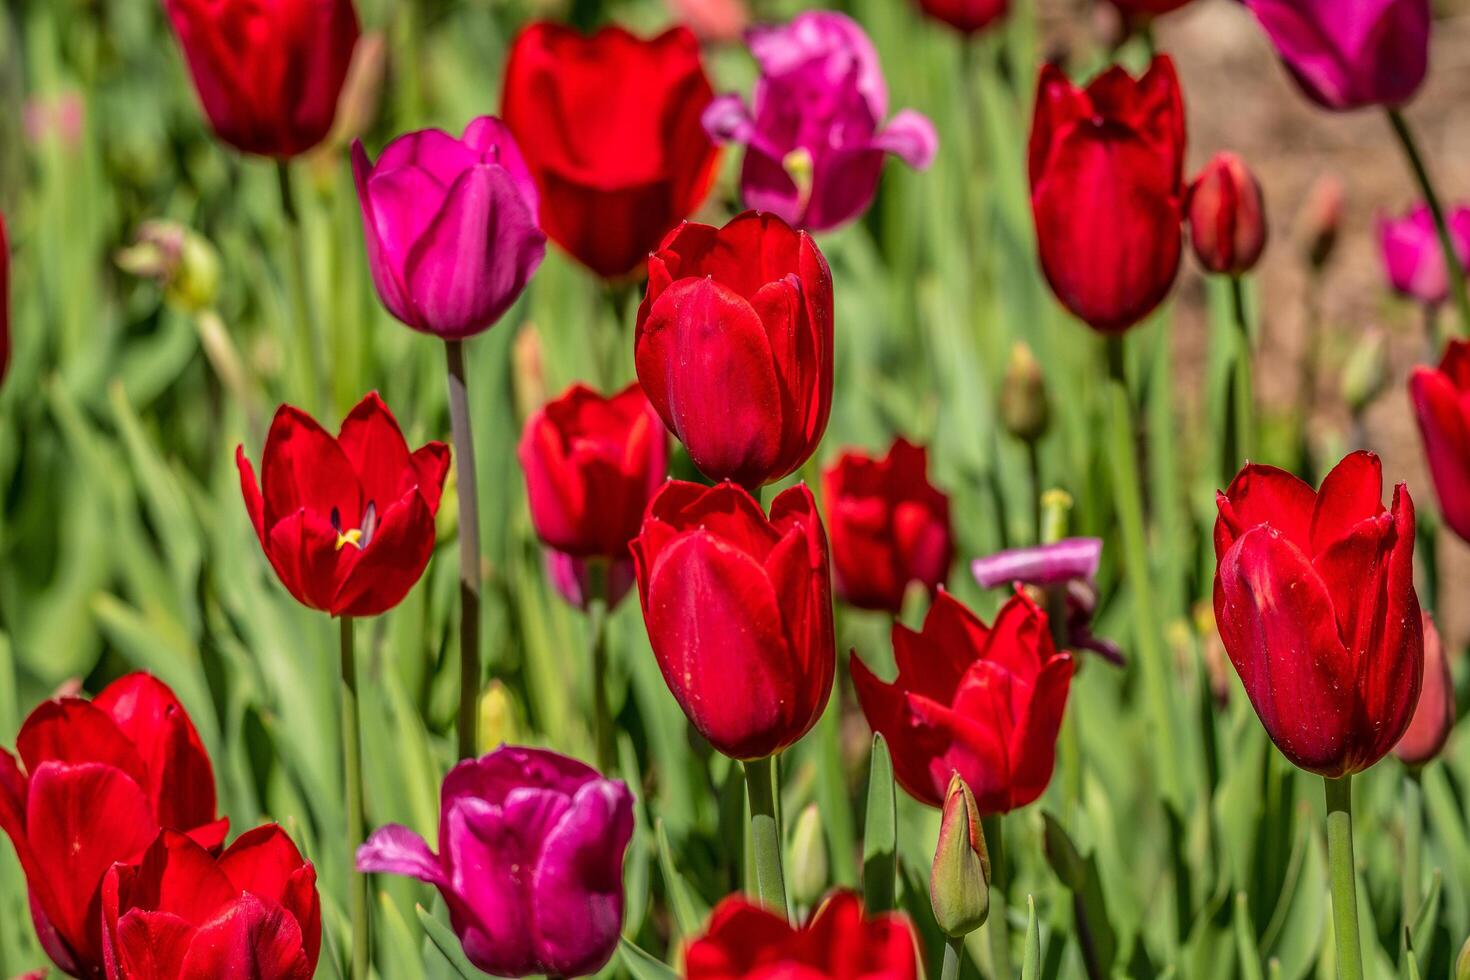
1441 400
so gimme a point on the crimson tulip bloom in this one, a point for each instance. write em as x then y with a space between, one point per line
1346 54
966 16
347 523
268 74
745 941
101 778
1443 410
1434 717
450 226
889 525
530 861
739 612
734 346
610 128
946 713
1314 598
181 913
1227 216
1107 166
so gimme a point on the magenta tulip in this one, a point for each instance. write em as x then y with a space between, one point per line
1412 257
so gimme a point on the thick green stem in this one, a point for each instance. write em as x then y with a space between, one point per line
469 552
1128 501
995 924
1453 263
601 714
954 955
1344 881
1413 846
300 293
356 818
765 833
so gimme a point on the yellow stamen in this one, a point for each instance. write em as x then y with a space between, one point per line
352 537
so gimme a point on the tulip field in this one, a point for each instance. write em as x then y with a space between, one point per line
734 489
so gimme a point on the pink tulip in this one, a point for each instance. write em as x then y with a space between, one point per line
1412 256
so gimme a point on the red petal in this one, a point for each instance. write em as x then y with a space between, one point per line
304 467
392 563
375 446
431 462
74 730
886 708
152 945
1446 434
1033 747
179 877
1350 494
1265 495
250 489
251 940
303 550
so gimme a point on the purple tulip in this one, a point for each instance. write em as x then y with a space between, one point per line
530 861
815 138
1068 566
1346 54
451 226
1412 256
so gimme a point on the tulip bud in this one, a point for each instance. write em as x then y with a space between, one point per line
181 261
527 372
1024 409
1366 370
959 883
499 724
1320 219
1227 218
1434 716
1462 962
808 858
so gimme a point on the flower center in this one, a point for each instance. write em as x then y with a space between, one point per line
358 537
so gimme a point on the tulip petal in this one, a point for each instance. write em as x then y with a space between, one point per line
303 549
262 861
1277 622
431 462
373 443
394 849
1033 746
1443 426
250 489
1050 564
489 873
886 708
152 945
304 467
178 877
1020 643
392 563
75 730
975 736
250 939
911 137
387 202
1350 494
741 938
1265 495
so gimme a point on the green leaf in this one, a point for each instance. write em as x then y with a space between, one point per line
1421 933
689 911
880 834
1245 940
399 945
642 965
1031 961
448 945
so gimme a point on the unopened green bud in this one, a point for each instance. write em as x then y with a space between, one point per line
1462 962
1024 409
181 261
1366 371
498 718
959 882
808 858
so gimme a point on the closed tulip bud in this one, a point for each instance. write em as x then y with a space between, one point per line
1062 854
1227 216
808 857
1107 170
1374 53
966 16
183 262
450 226
959 881
1365 374
1315 601
1443 410
527 371
1025 410
1434 718
499 717
1320 220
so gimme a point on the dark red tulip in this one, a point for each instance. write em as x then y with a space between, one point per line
180 913
983 701
1440 402
889 526
1434 717
1314 599
610 127
734 346
739 612
840 942
1227 216
1107 170
100 779
1147 8
966 16
347 523
268 72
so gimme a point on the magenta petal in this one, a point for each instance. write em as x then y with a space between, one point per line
911 137
1051 564
727 120
396 850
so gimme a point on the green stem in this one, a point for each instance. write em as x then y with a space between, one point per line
296 284
469 551
995 924
1452 261
1033 464
1413 846
1344 882
765 833
601 714
1245 399
356 818
1128 500
954 955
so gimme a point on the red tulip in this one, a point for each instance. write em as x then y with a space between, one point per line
1440 403
739 612
1314 598
592 465
966 16
983 701
101 778
1147 8
267 73
889 526
734 346
1107 167
1434 718
747 942
181 913
610 127
347 523
1227 217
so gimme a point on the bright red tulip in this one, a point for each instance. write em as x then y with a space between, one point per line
1314 599
1147 8
347 523
983 701
100 779
1443 409
180 913
840 942
966 16
1227 216
268 72
739 612
734 346
1434 718
889 526
610 127
1107 170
